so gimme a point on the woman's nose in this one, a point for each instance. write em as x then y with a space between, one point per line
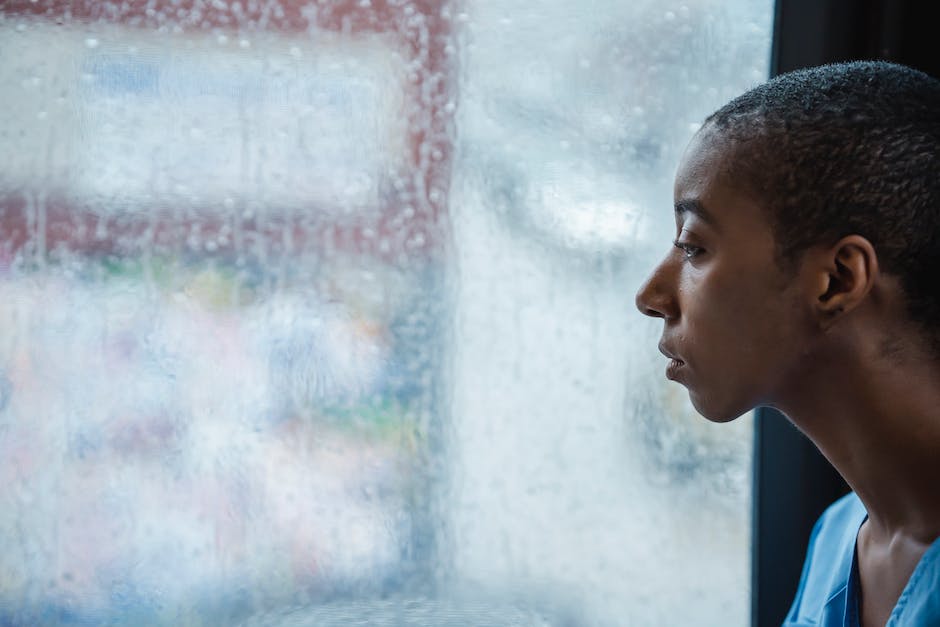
654 298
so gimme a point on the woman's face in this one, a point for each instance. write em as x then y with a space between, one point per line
735 325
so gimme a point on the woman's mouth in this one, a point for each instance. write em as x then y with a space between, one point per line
673 369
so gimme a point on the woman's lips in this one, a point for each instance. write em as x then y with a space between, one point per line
675 365
674 369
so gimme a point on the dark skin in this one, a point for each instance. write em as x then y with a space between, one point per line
828 343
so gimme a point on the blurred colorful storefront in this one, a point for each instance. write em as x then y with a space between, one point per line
221 229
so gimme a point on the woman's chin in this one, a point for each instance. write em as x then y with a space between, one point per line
713 411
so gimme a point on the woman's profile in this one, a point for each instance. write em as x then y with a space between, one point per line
804 277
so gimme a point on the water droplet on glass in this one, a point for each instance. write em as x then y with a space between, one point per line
417 240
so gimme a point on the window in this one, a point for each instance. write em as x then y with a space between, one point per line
324 310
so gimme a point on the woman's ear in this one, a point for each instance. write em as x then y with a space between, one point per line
845 275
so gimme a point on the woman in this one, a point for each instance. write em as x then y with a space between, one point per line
803 277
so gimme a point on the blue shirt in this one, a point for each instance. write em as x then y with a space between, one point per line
828 591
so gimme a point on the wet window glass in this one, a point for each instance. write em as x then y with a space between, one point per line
321 312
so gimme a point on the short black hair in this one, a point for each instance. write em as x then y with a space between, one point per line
847 148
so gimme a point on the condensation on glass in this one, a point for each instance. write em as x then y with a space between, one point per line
319 312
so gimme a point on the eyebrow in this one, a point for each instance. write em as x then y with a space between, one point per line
694 207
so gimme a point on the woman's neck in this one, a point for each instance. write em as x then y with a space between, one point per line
877 420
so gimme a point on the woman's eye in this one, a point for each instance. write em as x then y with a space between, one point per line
688 250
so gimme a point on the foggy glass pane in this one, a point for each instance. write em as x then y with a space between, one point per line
581 472
321 312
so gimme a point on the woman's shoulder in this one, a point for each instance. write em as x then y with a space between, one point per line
832 542
828 563
848 511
